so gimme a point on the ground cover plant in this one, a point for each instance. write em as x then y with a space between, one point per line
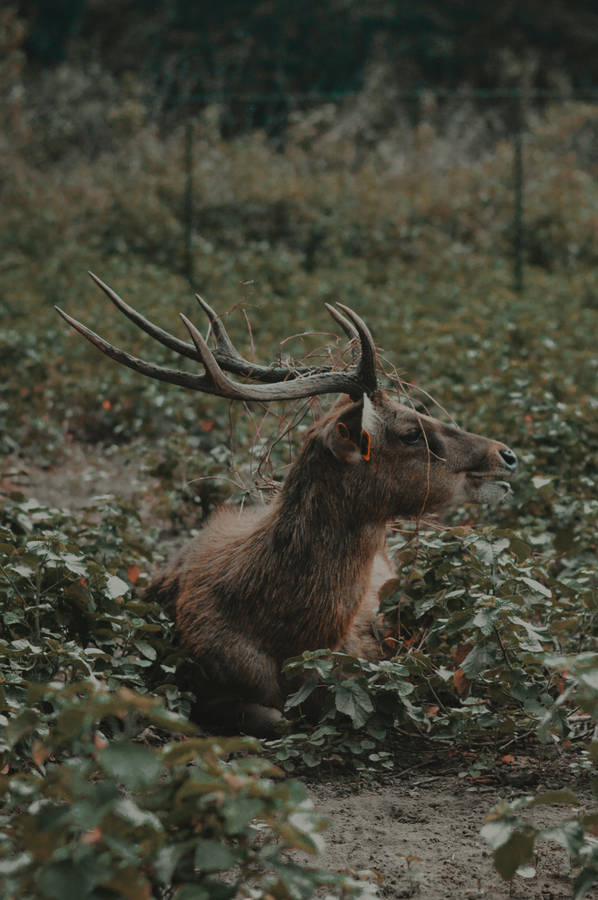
492 627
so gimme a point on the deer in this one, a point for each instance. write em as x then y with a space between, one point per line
306 570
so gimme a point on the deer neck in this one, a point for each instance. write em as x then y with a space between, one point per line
326 545
317 497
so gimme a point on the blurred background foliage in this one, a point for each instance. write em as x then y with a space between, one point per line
405 159
242 46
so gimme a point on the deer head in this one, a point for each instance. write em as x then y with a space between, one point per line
402 462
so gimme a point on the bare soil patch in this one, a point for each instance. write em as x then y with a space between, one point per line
422 839
82 473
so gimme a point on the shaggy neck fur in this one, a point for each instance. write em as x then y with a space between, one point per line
320 552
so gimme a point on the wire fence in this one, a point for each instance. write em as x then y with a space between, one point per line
180 179
272 113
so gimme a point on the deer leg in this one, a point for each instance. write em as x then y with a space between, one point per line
261 721
238 669
257 675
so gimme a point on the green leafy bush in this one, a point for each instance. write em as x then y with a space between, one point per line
513 839
102 812
469 626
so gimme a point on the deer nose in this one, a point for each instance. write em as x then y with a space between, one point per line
508 457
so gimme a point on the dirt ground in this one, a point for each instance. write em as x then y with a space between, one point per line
421 838
417 835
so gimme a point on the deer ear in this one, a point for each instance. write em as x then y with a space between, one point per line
352 434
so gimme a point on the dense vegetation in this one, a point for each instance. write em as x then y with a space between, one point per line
107 788
280 48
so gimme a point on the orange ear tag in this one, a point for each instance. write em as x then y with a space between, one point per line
343 431
365 438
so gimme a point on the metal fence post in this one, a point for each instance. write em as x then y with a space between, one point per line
518 175
188 203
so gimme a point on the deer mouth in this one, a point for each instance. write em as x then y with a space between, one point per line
491 487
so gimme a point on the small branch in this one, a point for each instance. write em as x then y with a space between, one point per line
503 648
38 596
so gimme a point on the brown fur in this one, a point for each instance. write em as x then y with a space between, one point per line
304 572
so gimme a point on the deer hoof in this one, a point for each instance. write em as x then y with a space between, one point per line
262 721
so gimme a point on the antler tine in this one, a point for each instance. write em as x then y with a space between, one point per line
366 367
222 385
162 373
349 330
228 357
220 333
164 337
345 324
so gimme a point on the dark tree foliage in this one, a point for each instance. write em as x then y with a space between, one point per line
51 24
282 47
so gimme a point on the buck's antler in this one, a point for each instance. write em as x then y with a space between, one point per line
279 383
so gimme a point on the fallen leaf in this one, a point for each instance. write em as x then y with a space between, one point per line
91 837
39 753
462 652
461 682
133 573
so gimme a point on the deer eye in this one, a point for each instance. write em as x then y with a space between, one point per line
412 436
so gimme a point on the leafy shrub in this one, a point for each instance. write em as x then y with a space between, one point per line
469 627
64 613
101 814
512 838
